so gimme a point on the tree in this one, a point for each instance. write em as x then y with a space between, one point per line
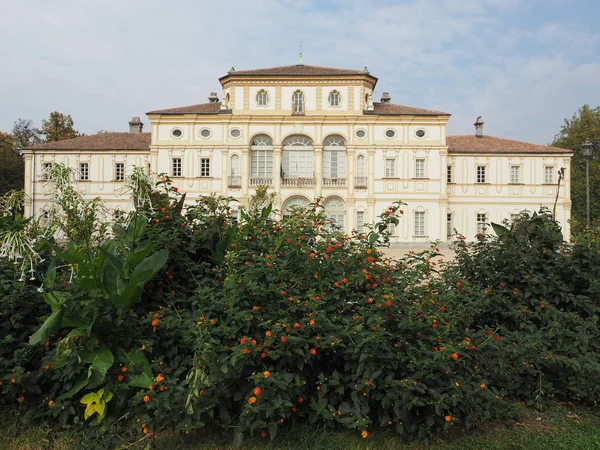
585 124
25 134
12 167
58 127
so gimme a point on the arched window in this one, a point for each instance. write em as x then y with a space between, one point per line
335 211
292 203
334 98
262 98
235 179
360 180
298 102
298 162
261 160
334 161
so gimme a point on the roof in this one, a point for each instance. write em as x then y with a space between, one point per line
100 141
391 109
202 108
491 144
297 70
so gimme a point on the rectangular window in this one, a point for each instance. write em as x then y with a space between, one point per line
84 171
176 167
515 174
297 164
481 219
419 223
360 222
334 164
45 169
391 229
481 174
119 171
449 227
549 175
390 168
420 168
205 167
449 174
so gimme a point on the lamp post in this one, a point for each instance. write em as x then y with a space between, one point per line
587 148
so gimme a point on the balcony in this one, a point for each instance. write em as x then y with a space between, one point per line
298 182
261 181
360 182
334 182
235 182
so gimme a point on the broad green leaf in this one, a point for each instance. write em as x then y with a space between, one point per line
50 277
136 257
137 358
146 270
50 325
100 407
136 229
100 365
140 380
500 230
75 389
115 261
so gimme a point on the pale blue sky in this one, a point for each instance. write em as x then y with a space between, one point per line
524 65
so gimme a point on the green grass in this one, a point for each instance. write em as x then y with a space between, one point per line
559 427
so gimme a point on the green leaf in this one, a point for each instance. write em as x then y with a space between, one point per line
500 230
100 365
137 358
89 411
136 257
75 389
117 263
136 229
50 277
146 270
50 325
140 380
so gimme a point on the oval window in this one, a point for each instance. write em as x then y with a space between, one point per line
360 134
205 133
176 133
390 133
235 133
420 133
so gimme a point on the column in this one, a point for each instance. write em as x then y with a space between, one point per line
225 171
350 160
277 161
245 170
318 152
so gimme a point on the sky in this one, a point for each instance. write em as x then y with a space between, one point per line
524 65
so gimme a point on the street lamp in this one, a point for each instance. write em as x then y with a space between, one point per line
587 147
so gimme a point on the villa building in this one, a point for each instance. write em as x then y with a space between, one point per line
307 132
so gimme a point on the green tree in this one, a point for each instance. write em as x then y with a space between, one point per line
585 124
12 168
25 134
59 127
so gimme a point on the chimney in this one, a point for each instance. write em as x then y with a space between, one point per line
385 97
479 127
212 98
135 125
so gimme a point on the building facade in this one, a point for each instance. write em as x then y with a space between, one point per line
311 132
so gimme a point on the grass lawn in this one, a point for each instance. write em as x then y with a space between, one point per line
559 427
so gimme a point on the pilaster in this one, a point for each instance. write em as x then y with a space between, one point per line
318 152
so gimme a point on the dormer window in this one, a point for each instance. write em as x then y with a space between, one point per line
262 98
334 98
298 102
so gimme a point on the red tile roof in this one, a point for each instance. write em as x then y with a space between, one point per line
202 108
297 70
390 109
491 144
100 141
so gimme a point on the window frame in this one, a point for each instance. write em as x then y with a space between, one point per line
360 224
515 179
390 168
120 171
419 224
84 171
298 107
262 94
420 168
334 94
449 174
481 219
205 167
176 167
548 170
481 174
